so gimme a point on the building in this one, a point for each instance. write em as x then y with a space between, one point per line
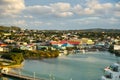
116 47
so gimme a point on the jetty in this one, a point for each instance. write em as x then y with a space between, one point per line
22 77
6 72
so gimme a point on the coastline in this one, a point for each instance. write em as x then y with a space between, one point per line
13 66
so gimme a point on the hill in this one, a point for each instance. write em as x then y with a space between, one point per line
102 30
7 28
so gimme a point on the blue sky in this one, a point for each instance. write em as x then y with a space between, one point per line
60 14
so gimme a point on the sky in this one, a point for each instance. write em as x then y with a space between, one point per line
60 14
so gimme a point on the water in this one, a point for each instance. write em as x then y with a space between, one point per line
72 67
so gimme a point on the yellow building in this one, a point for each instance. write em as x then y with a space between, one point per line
86 41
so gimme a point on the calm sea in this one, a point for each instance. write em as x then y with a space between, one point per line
87 66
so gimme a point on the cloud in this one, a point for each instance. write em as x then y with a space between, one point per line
95 8
117 13
117 9
117 5
78 9
48 15
99 8
88 11
86 20
61 9
11 7
37 23
38 10
60 6
19 22
56 9
28 16
64 14
113 20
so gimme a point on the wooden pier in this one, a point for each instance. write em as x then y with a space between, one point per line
22 77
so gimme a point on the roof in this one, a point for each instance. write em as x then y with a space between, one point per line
67 45
74 42
64 42
54 42
3 45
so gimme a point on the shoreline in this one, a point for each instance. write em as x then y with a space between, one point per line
13 66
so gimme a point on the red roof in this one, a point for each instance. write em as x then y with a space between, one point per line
74 42
63 42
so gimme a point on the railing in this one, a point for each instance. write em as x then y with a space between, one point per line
19 76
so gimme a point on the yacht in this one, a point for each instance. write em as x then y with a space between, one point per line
112 72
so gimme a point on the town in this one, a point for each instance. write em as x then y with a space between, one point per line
17 44
12 38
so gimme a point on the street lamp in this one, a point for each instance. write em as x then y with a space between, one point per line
19 72
34 75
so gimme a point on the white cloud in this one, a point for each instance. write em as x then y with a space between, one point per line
117 9
117 13
92 3
113 20
37 23
107 5
19 22
27 16
11 7
88 11
39 10
48 23
78 9
64 14
60 9
60 6
99 8
117 5
86 20
56 9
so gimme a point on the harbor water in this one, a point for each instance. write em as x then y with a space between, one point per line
87 66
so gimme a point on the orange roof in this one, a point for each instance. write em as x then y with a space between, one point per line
3 45
65 41
54 42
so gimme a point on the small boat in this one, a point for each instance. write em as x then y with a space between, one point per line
112 72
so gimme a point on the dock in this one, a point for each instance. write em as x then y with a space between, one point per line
22 77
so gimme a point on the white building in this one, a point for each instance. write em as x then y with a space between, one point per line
116 47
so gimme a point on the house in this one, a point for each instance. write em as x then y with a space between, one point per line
28 47
116 47
64 43
3 47
9 41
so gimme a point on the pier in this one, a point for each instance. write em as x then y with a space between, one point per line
19 76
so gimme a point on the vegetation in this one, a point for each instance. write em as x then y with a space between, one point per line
6 28
18 55
40 54
17 58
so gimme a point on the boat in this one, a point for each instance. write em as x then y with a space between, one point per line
112 72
